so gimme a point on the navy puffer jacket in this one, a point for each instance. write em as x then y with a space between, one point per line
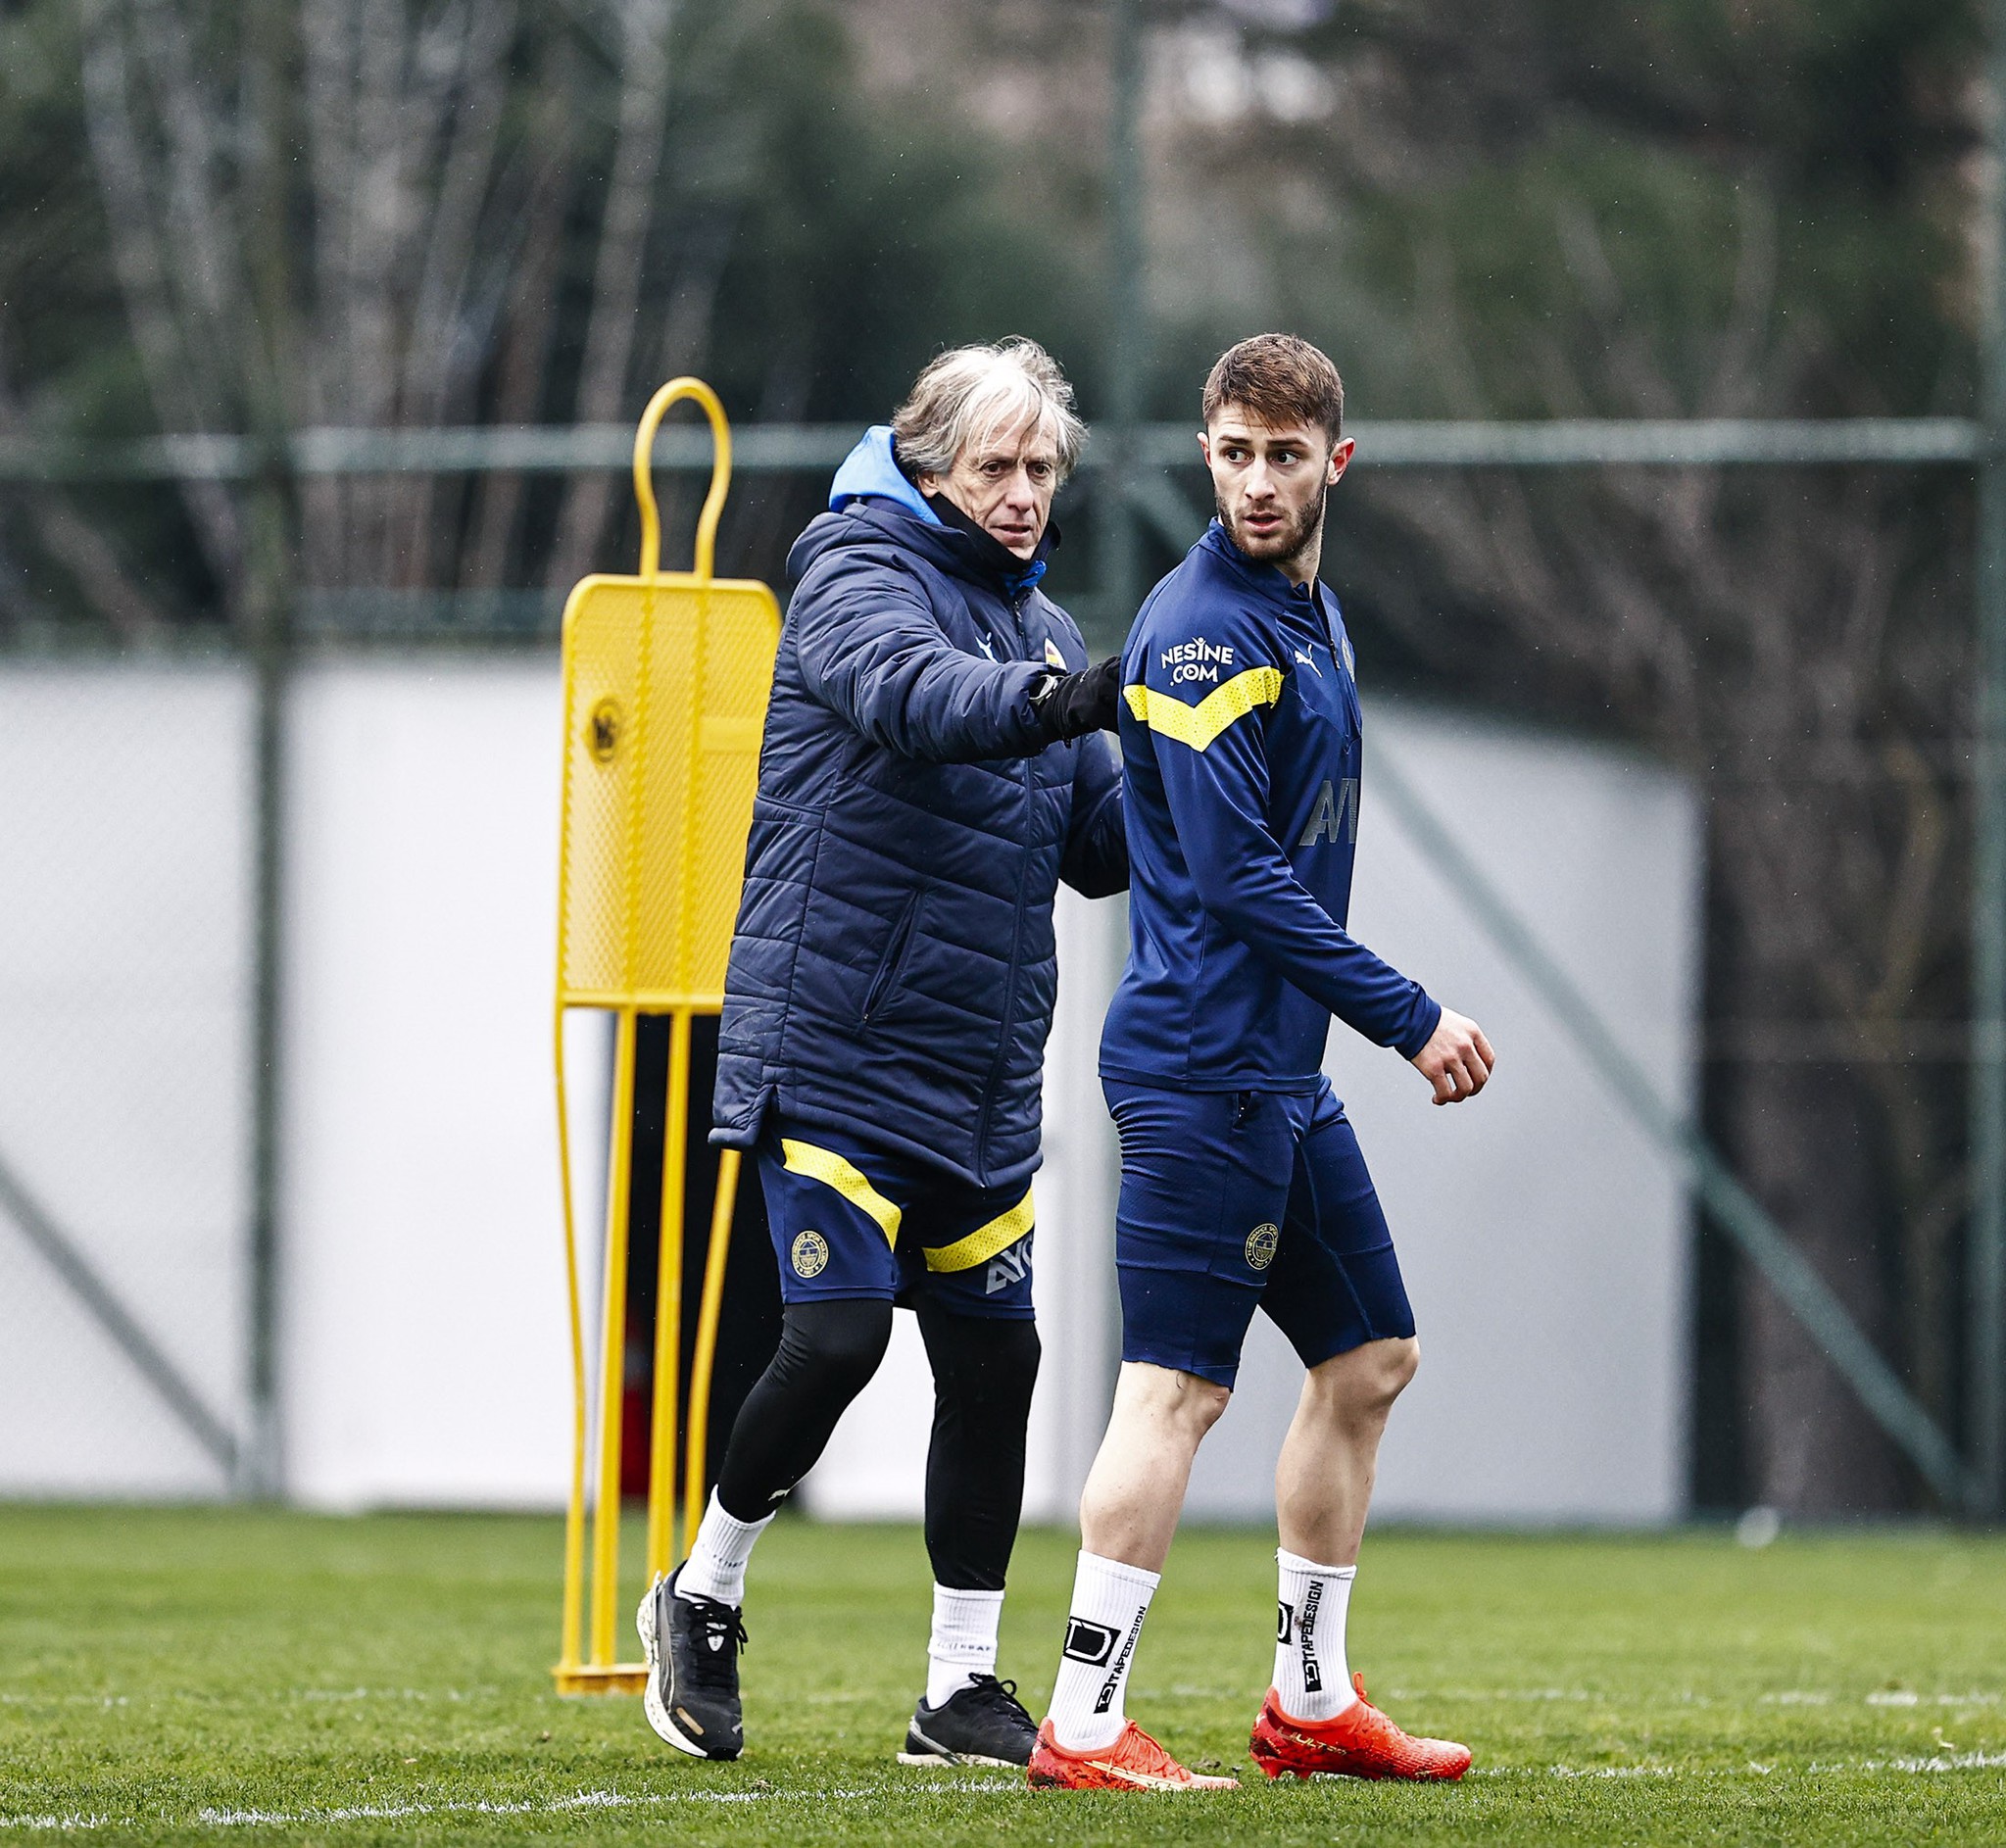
893 970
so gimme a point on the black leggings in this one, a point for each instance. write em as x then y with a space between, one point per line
983 1371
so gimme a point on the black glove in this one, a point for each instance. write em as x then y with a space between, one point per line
1070 706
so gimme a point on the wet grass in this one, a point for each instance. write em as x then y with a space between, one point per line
237 1675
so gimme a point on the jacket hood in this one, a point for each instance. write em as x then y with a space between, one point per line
871 468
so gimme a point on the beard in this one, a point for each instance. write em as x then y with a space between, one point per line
1291 541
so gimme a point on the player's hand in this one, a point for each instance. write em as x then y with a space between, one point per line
1457 1059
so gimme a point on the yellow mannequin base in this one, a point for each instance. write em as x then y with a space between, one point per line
618 1678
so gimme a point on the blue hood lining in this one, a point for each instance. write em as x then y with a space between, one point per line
870 470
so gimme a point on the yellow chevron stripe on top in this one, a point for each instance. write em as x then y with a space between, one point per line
1198 725
985 1242
830 1168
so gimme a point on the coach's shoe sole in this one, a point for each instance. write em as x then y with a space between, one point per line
937 1760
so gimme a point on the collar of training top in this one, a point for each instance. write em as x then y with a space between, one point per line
1269 577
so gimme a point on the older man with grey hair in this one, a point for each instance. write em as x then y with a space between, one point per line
934 764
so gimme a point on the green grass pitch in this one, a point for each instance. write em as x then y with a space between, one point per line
223 1675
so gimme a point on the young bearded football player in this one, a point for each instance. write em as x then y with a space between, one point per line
1243 1185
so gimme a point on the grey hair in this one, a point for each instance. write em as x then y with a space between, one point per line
968 394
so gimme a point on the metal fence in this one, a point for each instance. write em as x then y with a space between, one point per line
1132 488
1133 474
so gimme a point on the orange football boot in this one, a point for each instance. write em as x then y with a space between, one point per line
1134 1762
1361 1742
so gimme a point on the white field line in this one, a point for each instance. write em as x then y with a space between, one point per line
1690 1697
1780 1697
221 1819
210 1817
392 1693
1908 1766
65 1700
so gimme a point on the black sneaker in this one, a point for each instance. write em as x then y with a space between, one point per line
692 1696
984 1723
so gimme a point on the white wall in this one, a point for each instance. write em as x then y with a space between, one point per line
423 1337
424 1355
125 1027
424 1329
1544 1240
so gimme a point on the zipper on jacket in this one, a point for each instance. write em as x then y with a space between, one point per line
1016 606
893 963
1009 1005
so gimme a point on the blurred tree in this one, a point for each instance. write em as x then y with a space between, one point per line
251 215
60 318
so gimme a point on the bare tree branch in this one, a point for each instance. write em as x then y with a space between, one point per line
616 275
181 377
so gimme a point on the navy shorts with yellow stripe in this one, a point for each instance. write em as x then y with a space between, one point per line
851 1221
1238 1200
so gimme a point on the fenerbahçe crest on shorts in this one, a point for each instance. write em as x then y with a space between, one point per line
849 1221
1261 1244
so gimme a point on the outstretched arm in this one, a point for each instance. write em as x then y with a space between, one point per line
871 651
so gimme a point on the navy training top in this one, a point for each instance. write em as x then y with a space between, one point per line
1240 742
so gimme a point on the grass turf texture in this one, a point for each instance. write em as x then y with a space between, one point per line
234 1676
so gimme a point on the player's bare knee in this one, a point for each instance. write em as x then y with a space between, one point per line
1387 1374
1204 1401
1166 1396
1362 1384
1198 1402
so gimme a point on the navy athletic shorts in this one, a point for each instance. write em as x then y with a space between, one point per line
1233 1200
851 1221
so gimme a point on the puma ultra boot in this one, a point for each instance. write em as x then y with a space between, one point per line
1361 1742
692 1694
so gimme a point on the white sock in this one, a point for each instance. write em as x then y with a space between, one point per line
716 1565
1109 1602
1312 1679
963 1641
